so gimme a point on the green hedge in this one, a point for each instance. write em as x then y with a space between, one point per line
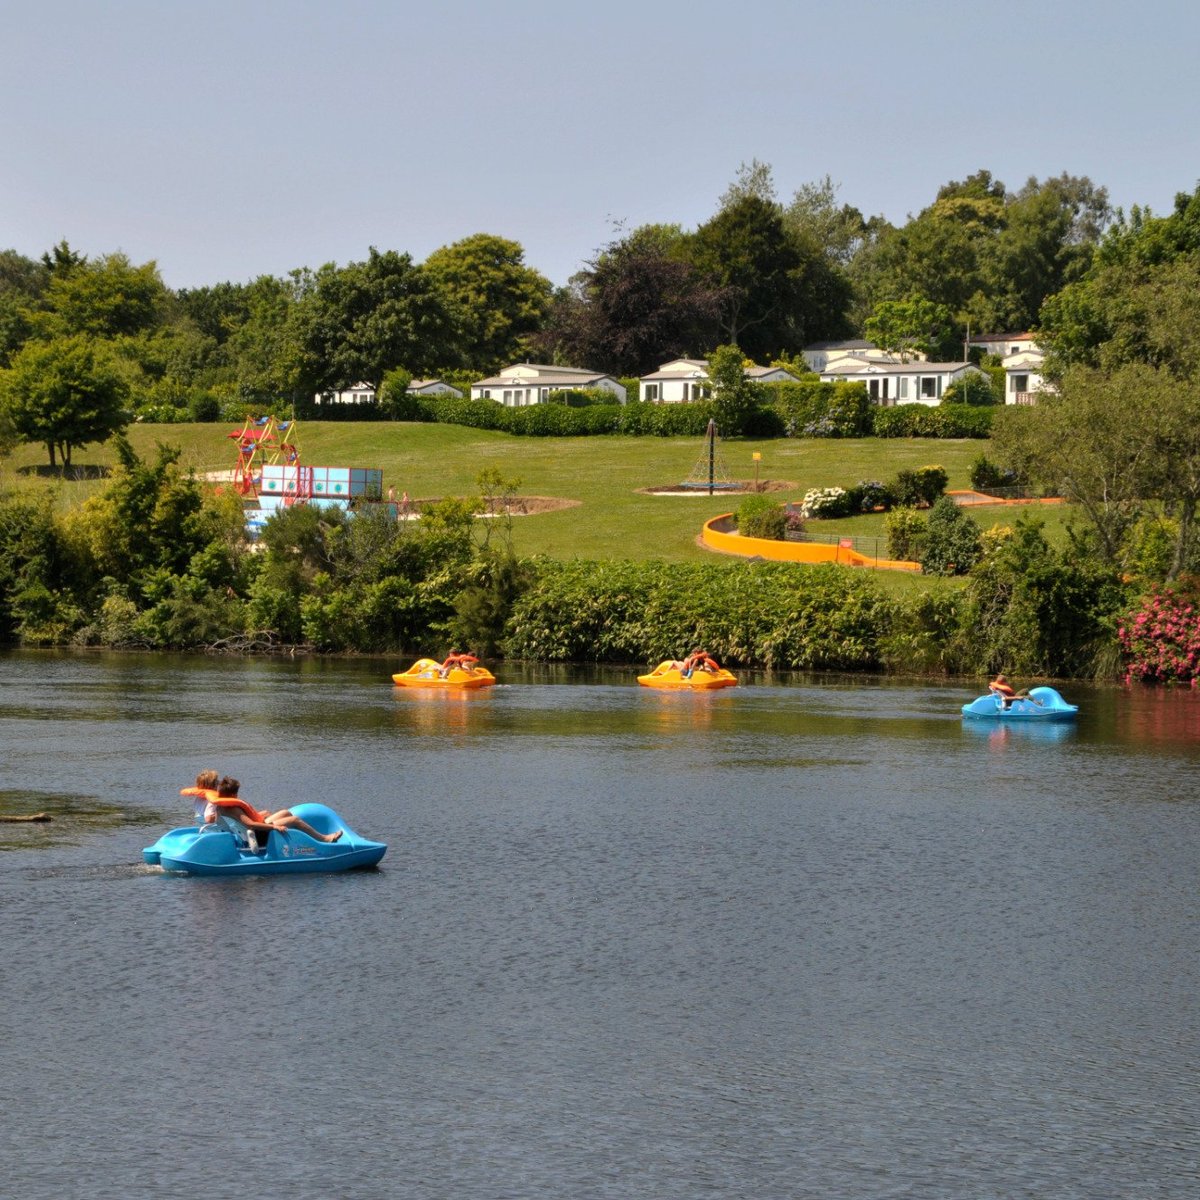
921 420
816 409
560 420
793 410
762 614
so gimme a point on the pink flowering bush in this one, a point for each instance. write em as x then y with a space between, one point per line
1160 639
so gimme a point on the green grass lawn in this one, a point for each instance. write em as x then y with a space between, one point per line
613 520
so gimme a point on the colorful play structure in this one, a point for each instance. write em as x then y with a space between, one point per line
262 441
269 475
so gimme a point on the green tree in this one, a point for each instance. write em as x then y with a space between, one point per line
815 216
1047 240
951 541
266 346
357 322
1032 610
64 393
904 326
23 283
1114 443
734 396
500 300
152 516
940 253
636 305
106 298
1127 311
778 293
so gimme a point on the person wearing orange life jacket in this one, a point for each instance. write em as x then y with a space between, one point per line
203 793
699 660
465 662
229 804
1006 693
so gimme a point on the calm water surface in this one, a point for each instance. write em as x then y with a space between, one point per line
807 938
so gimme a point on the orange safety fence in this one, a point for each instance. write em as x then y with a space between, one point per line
719 534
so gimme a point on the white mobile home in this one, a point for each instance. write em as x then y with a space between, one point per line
531 383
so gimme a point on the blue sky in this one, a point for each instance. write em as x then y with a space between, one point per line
229 140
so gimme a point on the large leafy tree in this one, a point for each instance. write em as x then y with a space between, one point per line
151 516
357 322
22 285
1047 240
940 253
904 326
266 349
815 216
778 292
501 302
65 393
638 303
991 256
105 298
1137 301
1119 445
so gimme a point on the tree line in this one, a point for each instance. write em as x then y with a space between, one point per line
767 275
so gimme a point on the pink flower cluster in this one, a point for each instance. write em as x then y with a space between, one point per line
1160 638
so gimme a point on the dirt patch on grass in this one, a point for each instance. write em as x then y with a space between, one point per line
517 506
527 506
739 487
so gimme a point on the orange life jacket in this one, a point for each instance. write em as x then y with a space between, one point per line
238 805
1004 689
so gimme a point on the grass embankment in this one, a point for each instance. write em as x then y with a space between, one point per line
614 520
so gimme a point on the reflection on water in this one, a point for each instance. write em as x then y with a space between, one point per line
439 711
1015 734
1158 715
804 937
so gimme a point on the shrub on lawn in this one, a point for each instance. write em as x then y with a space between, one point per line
951 540
986 474
923 485
758 517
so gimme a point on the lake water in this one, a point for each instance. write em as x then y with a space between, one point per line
803 938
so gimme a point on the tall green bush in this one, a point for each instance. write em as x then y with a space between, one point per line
759 517
986 474
905 531
810 408
922 485
1032 610
972 389
951 540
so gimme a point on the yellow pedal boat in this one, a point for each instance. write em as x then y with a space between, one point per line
425 673
669 675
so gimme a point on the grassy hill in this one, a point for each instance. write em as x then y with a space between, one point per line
613 520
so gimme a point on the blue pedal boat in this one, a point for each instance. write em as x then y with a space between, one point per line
1043 704
223 849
